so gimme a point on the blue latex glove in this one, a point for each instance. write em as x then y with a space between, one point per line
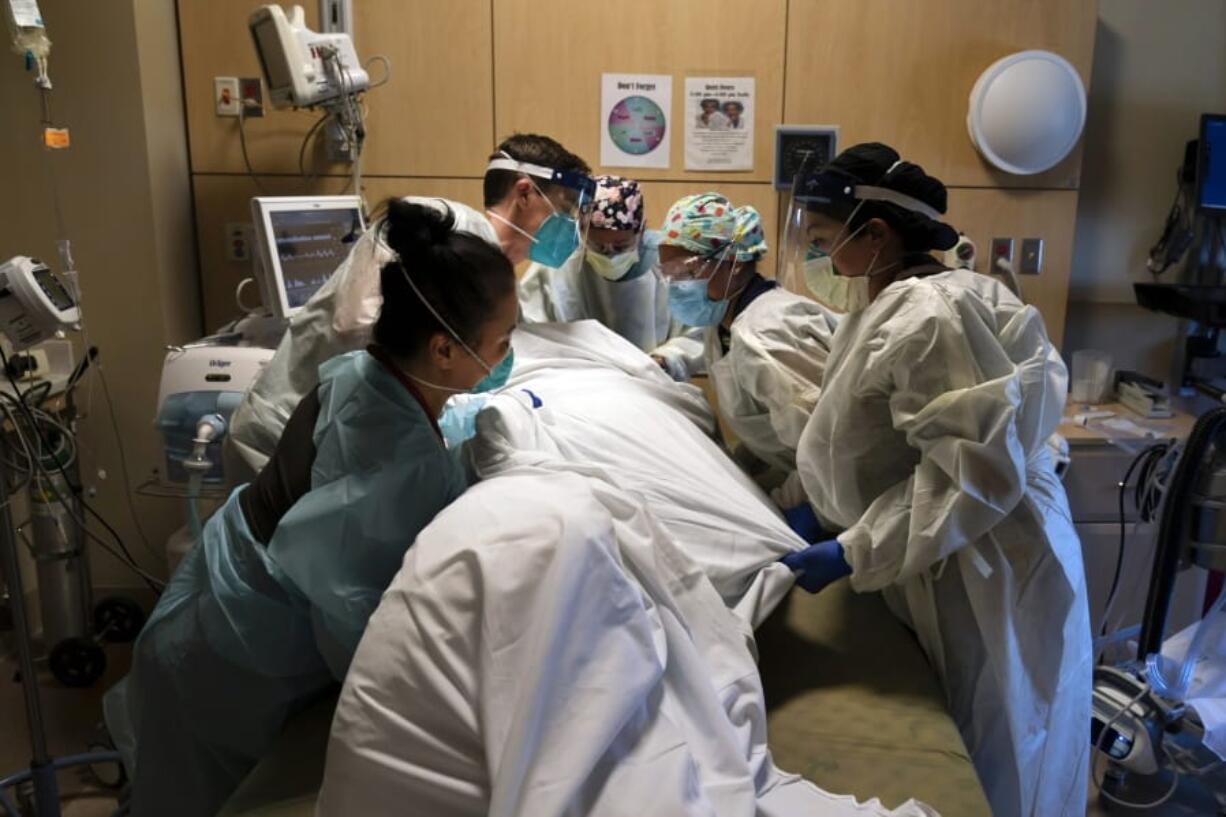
818 565
803 522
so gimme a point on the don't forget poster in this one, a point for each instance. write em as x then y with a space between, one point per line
634 126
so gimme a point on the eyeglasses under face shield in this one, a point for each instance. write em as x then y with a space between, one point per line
686 268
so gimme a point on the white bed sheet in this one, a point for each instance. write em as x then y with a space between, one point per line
573 635
582 396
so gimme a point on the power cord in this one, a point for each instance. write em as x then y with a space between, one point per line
123 465
1177 232
387 70
126 558
242 139
1146 503
306 140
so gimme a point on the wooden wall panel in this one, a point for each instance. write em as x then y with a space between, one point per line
901 72
469 72
434 118
221 200
1050 214
549 55
214 41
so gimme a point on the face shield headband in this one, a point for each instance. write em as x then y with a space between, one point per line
582 183
832 187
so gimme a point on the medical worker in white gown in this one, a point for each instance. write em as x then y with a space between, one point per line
927 450
764 346
610 280
531 181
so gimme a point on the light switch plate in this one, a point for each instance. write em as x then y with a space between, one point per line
1032 256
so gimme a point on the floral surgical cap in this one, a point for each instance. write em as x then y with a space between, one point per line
618 204
707 224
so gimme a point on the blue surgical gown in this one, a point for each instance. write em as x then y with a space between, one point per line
245 635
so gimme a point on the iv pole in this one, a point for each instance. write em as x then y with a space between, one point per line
43 768
29 37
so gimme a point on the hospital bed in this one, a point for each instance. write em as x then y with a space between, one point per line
852 704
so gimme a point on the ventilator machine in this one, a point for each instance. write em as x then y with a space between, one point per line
1158 718
301 240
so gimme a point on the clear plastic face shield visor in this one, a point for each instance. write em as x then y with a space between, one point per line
569 196
805 246
692 267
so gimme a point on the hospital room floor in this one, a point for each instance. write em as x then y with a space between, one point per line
73 714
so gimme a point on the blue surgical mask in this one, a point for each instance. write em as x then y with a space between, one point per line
689 303
498 376
555 240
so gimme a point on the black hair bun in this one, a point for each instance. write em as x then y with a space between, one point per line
873 163
441 282
911 180
878 165
415 229
867 163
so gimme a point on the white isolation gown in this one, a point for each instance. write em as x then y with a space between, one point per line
928 448
768 381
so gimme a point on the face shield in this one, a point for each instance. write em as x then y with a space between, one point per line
569 196
813 236
688 268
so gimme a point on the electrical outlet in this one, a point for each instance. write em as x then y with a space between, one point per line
1032 256
251 94
239 236
1002 250
225 95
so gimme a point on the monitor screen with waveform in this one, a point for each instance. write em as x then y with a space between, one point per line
311 244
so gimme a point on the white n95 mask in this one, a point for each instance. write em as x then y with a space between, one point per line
835 291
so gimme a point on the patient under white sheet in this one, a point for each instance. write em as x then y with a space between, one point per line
560 640
582 395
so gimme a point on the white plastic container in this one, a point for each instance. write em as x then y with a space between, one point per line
1091 376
